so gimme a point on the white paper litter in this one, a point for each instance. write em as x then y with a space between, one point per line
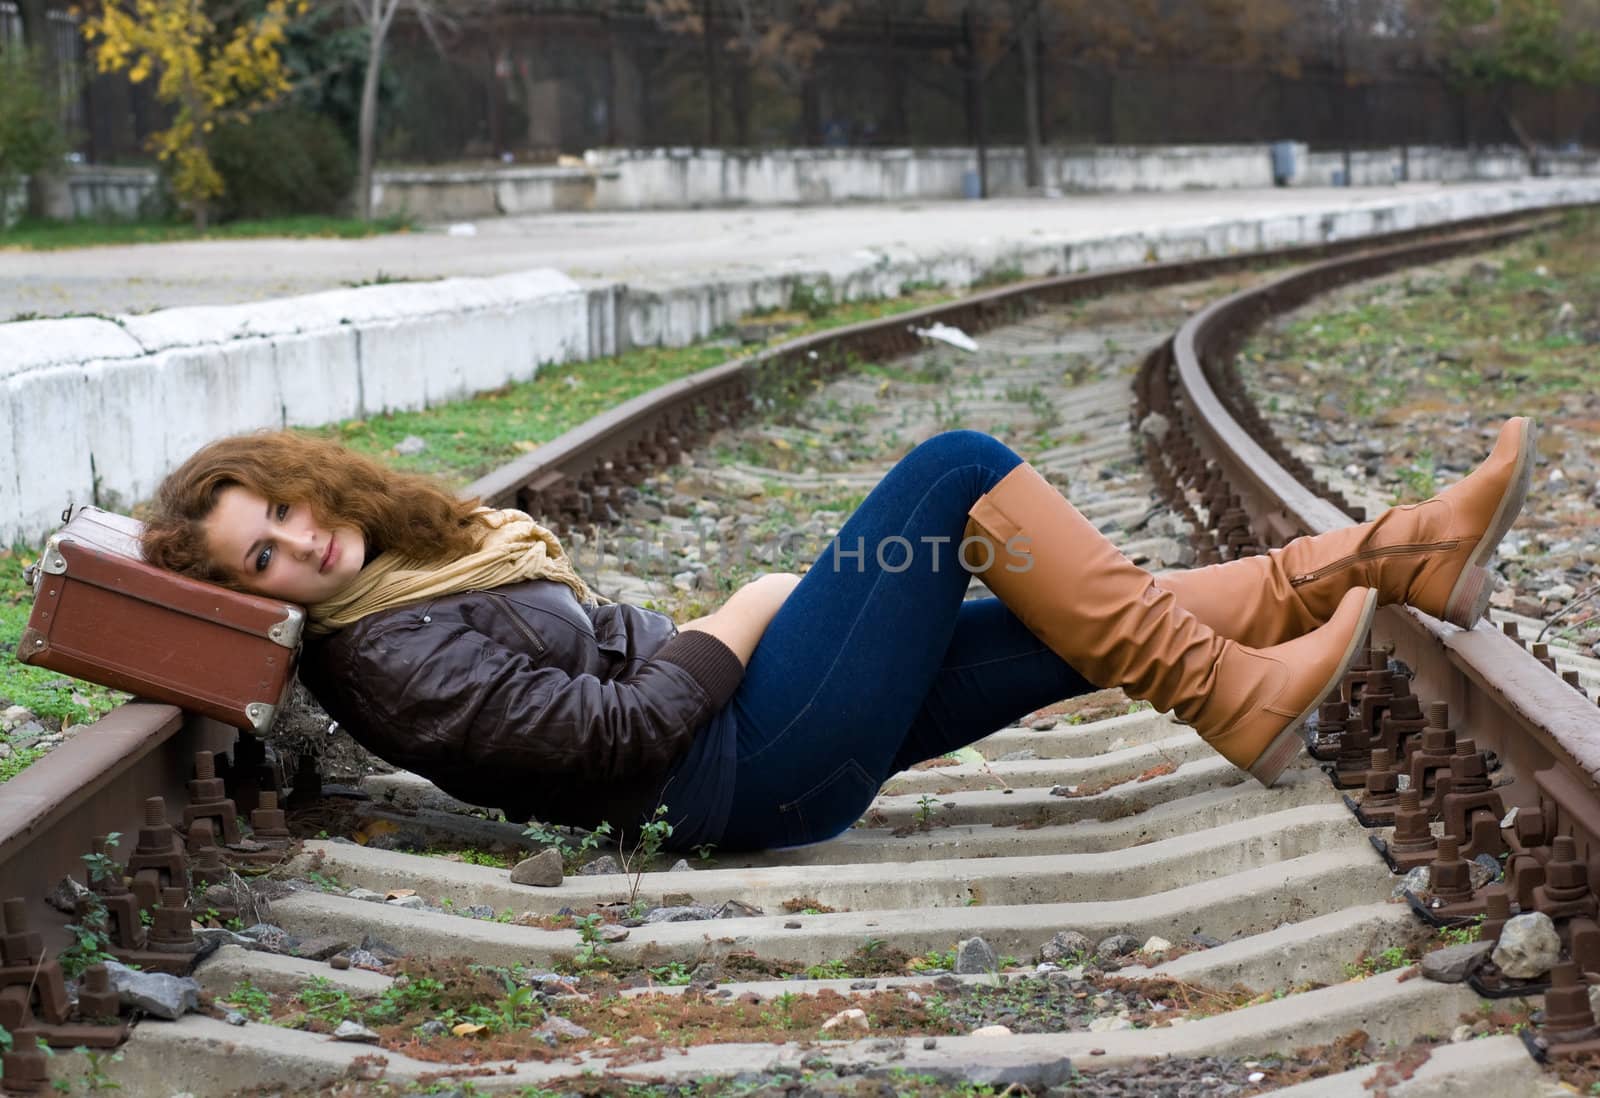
944 333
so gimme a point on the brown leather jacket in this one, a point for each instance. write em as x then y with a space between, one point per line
520 698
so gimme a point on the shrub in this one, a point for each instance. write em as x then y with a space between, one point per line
282 163
30 137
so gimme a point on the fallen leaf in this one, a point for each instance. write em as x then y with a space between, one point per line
399 893
467 1029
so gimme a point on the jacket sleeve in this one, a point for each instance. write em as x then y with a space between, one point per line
461 698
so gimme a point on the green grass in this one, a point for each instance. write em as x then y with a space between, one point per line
42 235
49 694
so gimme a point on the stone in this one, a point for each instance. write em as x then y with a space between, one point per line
409 902
270 939
478 911
64 897
365 894
559 1027
854 1017
1416 882
689 914
1452 964
738 909
1461 1033
1528 946
234 1018
681 866
611 933
410 446
1155 426
1115 945
1155 946
366 959
433 1028
354 1031
603 864
543 870
321 947
1109 1023
383 949
1066 945
975 957
155 993
991 1031
14 715
1483 870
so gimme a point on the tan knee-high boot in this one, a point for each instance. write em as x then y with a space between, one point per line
1106 617
1431 555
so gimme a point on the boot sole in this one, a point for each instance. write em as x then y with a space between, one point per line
1469 598
1272 762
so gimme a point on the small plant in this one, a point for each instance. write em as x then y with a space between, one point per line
250 1001
592 948
571 854
927 804
645 848
828 970
703 851
325 882
91 940
1385 961
941 959
326 1003
673 974
814 299
407 995
1462 935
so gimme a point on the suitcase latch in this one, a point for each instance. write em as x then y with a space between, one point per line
52 564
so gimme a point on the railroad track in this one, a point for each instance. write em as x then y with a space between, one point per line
1270 901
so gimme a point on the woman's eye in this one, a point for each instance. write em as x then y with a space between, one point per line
264 559
283 511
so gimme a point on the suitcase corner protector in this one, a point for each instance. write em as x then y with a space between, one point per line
260 715
32 646
287 632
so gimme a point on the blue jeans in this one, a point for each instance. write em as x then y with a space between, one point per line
875 662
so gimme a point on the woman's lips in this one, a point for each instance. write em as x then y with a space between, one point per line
330 555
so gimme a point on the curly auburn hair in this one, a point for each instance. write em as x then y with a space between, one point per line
399 512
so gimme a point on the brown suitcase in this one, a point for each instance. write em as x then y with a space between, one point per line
101 613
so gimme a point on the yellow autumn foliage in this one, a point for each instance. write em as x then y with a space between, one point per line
206 74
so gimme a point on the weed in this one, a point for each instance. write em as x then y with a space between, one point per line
325 1002
91 937
407 995
816 300
325 881
1370 965
934 959
1462 935
645 848
95 1077
572 855
927 804
250 1001
673 974
592 948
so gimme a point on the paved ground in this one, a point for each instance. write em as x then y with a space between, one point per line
646 246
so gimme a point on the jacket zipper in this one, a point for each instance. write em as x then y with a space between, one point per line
1371 554
521 626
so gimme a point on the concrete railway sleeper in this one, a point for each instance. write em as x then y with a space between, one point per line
1148 922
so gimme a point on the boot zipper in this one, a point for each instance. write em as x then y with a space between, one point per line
1371 554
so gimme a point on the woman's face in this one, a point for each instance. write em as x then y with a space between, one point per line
280 549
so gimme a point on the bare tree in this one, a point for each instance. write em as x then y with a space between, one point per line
378 16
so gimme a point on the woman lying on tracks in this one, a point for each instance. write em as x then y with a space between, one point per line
461 644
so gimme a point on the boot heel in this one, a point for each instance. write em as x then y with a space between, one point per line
1470 599
1278 755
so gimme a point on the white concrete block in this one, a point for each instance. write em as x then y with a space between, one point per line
318 377
39 344
51 429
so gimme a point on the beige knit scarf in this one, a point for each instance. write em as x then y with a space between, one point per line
513 548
